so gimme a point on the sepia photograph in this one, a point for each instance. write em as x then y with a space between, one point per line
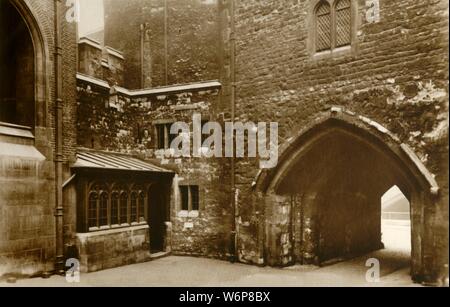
212 146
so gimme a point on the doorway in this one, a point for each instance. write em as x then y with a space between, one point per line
158 213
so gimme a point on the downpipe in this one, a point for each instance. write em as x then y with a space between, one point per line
59 212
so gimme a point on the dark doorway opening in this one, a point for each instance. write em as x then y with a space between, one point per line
17 69
158 216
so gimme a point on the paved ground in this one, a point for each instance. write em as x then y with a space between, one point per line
197 272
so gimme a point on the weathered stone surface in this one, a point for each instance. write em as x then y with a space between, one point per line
112 248
192 40
395 74
130 128
27 184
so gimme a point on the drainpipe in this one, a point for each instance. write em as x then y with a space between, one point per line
59 262
142 29
166 43
235 231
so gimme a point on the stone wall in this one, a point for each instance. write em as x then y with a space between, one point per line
395 73
125 122
192 40
112 248
27 173
100 62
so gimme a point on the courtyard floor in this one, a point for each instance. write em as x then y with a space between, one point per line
196 272
176 271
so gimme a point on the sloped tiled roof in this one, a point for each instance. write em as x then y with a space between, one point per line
114 161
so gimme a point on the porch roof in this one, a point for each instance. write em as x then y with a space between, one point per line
91 159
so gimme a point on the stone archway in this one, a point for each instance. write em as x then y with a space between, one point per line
39 62
322 201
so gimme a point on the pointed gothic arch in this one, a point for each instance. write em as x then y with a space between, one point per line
335 170
41 62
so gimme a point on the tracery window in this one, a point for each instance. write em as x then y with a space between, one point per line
123 208
343 23
133 210
103 210
333 24
323 26
115 213
92 210
141 208
115 206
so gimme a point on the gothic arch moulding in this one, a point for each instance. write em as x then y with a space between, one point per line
362 128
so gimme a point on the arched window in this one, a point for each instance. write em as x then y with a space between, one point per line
323 26
124 208
17 73
333 24
343 23
103 210
141 207
92 210
115 208
133 207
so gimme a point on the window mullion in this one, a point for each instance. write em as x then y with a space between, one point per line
146 207
86 208
108 211
129 208
119 206
97 203
138 208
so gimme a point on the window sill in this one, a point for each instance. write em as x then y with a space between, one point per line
16 134
18 142
93 231
337 52
189 214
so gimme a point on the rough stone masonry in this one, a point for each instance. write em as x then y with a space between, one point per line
360 92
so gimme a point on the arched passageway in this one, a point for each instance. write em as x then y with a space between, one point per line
323 201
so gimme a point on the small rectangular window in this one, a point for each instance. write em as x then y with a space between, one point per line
164 137
190 198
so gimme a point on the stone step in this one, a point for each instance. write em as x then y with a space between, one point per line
159 255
